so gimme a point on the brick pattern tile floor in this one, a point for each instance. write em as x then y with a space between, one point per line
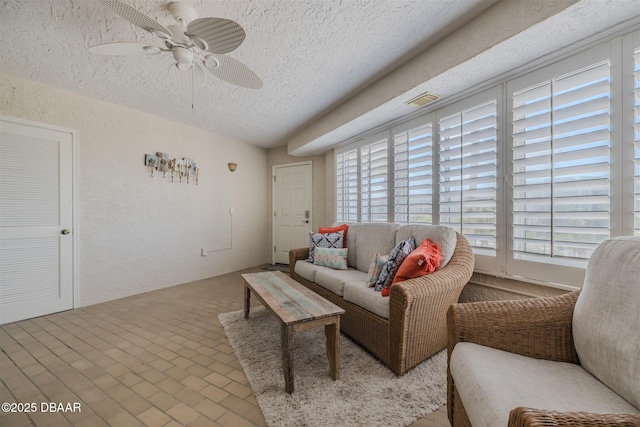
155 359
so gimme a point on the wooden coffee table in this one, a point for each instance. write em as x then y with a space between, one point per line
297 308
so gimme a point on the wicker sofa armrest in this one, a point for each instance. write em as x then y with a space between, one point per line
418 307
528 417
295 255
534 327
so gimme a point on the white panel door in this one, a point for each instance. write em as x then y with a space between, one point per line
36 219
291 210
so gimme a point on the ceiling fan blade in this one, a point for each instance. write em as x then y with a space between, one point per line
138 18
125 49
222 35
187 81
232 71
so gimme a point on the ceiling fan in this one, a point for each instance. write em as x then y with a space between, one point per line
196 45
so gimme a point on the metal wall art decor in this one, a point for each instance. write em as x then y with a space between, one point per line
183 168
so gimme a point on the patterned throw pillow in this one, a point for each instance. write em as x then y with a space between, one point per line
335 258
329 240
343 227
397 255
377 262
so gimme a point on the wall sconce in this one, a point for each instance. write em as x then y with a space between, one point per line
232 166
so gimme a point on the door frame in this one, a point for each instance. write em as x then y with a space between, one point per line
273 200
75 162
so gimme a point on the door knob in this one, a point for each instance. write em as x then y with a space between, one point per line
306 221
65 231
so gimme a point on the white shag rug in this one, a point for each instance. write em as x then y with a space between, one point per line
367 394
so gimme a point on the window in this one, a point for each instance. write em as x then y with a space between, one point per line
413 173
535 172
468 174
374 182
560 160
347 186
362 181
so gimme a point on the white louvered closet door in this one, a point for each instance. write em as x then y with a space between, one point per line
36 217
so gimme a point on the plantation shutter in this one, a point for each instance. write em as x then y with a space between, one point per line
347 186
561 189
374 182
413 175
636 142
468 174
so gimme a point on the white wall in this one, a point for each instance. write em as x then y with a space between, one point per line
139 233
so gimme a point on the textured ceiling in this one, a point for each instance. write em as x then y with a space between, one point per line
562 27
311 55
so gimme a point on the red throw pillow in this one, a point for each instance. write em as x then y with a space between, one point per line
423 260
343 227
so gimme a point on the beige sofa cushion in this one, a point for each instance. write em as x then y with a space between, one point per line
493 382
334 280
362 295
372 238
443 236
306 269
606 319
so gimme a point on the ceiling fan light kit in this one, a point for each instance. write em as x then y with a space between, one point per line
195 44
152 50
210 61
183 57
159 34
199 43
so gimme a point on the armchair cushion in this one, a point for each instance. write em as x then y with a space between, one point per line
493 382
606 319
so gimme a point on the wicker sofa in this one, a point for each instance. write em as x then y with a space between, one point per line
571 360
409 326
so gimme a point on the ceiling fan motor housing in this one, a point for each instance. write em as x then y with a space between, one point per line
182 12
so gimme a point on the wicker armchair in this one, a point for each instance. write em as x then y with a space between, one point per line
543 328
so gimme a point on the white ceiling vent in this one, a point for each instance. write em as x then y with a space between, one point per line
423 99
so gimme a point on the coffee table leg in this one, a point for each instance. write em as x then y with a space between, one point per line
286 333
332 332
247 300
